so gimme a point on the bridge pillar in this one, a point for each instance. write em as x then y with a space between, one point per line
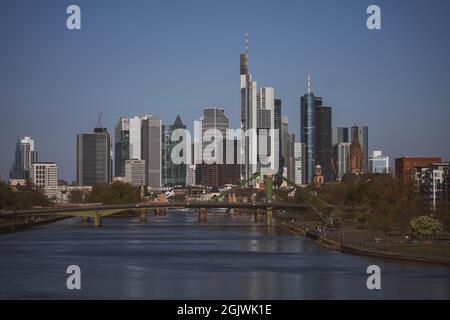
85 220
202 215
269 216
258 216
143 216
97 220
161 212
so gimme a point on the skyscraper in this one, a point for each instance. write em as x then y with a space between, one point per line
339 136
25 155
277 126
94 163
323 142
214 125
362 134
121 146
299 150
257 116
135 125
172 174
151 148
342 164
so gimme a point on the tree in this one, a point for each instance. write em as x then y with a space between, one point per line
426 226
337 216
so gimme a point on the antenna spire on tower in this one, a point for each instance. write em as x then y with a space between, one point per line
99 120
246 42
309 83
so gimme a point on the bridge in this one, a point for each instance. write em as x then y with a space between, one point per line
97 212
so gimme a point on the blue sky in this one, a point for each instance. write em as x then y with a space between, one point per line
177 57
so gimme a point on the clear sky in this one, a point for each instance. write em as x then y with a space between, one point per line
176 57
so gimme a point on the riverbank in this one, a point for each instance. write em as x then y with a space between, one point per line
383 252
10 228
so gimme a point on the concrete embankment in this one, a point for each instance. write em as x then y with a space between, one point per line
9 228
338 246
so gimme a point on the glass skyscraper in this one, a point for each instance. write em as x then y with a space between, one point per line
172 174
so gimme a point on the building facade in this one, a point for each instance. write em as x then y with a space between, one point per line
121 146
151 150
432 182
44 174
25 155
342 163
405 166
361 133
94 163
378 163
135 172
173 174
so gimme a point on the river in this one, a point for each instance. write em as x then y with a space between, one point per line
176 257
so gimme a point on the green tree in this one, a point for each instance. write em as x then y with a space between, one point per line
426 226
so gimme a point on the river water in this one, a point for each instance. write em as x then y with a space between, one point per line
176 257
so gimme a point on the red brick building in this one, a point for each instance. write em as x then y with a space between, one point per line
405 166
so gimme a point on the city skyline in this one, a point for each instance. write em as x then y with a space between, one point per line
70 107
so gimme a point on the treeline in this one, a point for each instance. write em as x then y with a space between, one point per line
383 203
25 198
115 193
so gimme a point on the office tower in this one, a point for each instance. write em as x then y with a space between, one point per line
378 163
173 174
404 167
355 159
94 164
232 166
284 139
135 172
338 136
343 154
290 157
299 149
25 155
257 114
214 125
362 134
267 140
323 142
151 149
316 135
277 126
121 146
44 174
136 142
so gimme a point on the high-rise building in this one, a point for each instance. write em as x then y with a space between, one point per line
121 146
362 134
257 116
94 163
190 175
339 135
277 126
214 125
135 125
151 150
173 174
378 163
25 155
299 150
135 172
342 163
316 135
323 142
404 167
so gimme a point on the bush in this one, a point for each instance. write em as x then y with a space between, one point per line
426 226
